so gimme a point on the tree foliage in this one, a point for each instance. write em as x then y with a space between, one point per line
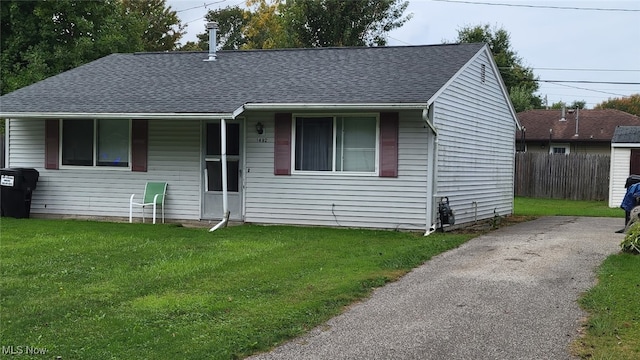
306 23
323 23
576 104
629 104
158 26
521 98
43 38
519 79
265 26
232 22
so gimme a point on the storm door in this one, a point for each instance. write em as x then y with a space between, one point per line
212 204
634 165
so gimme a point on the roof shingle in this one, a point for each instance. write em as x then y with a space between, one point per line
626 134
592 125
181 82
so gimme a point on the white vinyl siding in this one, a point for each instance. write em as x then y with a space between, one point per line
335 199
476 146
174 156
474 168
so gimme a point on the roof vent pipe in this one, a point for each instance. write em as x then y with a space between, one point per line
563 118
213 30
577 119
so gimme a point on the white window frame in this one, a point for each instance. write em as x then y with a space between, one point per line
333 171
95 149
565 146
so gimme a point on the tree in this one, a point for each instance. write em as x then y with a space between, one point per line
576 104
306 23
518 78
630 104
521 98
265 27
43 38
232 22
158 25
322 23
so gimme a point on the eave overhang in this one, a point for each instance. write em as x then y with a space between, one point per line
218 116
147 116
329 107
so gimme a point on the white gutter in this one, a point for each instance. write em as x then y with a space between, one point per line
225 195
321 106
427 119
148 116
432 146
216 116
624 145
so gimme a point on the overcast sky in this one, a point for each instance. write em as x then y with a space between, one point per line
560 40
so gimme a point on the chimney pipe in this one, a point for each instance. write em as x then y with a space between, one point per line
213 30
577 119
563 114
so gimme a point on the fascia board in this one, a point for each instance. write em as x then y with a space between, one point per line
495 70
321 106
148 116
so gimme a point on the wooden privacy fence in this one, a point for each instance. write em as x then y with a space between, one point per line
559 176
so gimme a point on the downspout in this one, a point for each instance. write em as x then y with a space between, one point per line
223 156
432 146
7 128
213 28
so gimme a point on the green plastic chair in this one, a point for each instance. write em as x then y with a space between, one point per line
154 195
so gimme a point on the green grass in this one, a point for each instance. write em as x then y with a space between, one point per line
554 207
90 290
613 328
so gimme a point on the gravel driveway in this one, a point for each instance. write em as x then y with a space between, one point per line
510 294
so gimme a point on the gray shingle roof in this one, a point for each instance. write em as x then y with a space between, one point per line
181 82
626 134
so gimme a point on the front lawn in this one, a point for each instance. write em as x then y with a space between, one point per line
91 290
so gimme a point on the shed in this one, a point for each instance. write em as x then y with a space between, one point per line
625 161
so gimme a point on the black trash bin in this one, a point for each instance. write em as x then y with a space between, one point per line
17 188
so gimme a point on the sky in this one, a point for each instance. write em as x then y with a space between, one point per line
592 46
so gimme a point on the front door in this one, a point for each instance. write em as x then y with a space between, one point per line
212 204
634 165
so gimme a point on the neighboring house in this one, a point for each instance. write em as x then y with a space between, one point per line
570 131
357 137
625 161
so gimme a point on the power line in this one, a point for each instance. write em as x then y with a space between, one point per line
581 88
398 40
201 6
570 69
194 20
539 6
590 82
582 96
